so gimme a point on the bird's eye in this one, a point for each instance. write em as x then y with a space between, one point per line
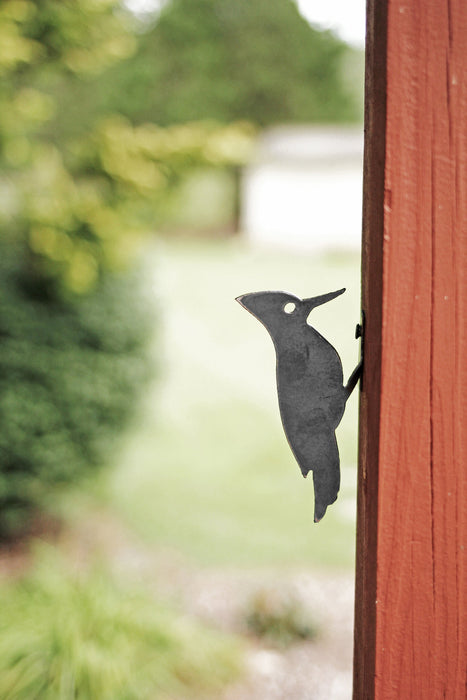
290 307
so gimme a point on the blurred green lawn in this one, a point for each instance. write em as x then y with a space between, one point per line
207 470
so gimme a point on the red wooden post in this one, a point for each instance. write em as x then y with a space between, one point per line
411 596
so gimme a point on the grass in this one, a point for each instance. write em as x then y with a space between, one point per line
207 471
66 635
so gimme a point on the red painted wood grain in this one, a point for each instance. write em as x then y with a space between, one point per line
411 627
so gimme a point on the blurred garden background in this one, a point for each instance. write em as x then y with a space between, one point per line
157 539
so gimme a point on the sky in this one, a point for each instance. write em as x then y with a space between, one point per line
345 17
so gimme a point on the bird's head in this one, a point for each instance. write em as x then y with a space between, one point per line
276 310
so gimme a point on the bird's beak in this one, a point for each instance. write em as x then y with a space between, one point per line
313 302
240 299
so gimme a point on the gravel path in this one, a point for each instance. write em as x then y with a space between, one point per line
317 670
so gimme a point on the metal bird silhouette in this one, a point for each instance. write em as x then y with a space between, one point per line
310 387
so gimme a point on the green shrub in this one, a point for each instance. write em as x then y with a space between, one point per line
70 373
84 637
87 210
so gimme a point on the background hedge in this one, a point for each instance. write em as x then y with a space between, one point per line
70 374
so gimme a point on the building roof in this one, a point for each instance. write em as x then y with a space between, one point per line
302 145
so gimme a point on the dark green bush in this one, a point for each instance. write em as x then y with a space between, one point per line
70 373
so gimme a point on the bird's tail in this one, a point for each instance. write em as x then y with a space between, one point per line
326 476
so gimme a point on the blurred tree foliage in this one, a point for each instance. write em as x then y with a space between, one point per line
74 325
82 204
85 209
258 60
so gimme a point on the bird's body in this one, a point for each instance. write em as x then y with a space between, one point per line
310 386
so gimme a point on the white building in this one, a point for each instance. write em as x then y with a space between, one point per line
303 189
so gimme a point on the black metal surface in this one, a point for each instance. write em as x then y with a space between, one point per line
309 384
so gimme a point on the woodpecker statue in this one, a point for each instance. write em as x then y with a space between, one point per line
310 387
